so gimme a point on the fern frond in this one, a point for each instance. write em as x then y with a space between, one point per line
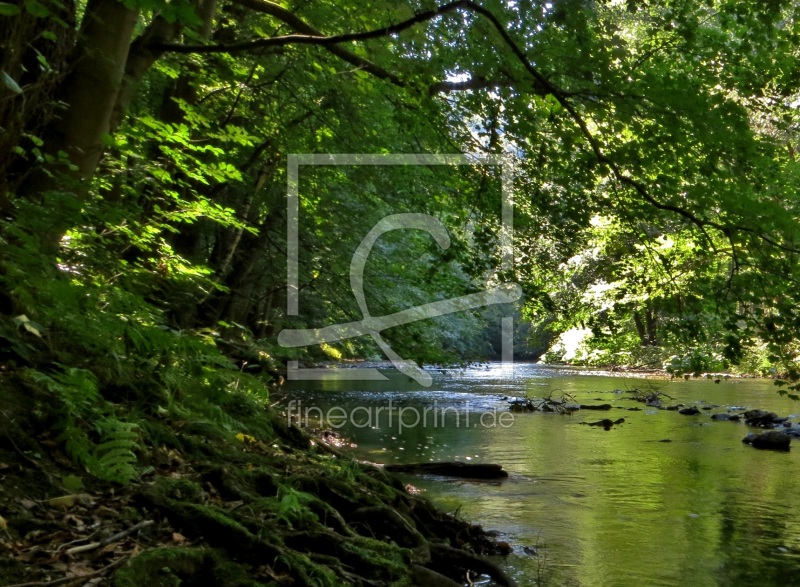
114 458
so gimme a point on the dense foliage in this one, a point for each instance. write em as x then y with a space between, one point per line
144 181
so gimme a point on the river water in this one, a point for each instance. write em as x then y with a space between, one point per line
615 508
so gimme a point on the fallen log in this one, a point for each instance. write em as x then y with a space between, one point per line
452 469
596 406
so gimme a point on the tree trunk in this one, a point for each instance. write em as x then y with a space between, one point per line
90 92
650 323
640 329
141 57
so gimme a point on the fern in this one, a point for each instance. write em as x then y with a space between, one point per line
114 458
77 443
221 417
77 388
293 506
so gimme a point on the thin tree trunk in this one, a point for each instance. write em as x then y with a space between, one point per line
650 323
640 329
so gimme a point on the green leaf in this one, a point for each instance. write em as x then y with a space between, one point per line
73 483
7 9
9 82
27 324
37 8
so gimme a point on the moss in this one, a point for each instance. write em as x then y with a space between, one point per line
14 571
183 567
207 430
230 483
311 573
391 559
160 434
213 518
265 506
130 515
182 489
200 447
285 515
161 567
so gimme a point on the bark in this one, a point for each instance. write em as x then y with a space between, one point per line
141 58
90 92
640 329
22 44
650 324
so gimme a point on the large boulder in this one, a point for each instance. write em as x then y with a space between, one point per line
772 440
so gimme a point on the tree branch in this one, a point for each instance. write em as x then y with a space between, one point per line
311 36
307 35
308 31
598 151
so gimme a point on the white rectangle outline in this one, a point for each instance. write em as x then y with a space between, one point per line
296 160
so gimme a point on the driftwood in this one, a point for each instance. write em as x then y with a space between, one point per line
452 469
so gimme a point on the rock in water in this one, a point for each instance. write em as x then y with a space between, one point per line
762 418
792 430
606 423
726 417
693 411
772 440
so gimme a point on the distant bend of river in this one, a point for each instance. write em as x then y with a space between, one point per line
613 508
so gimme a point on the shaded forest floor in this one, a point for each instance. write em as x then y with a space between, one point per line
214 506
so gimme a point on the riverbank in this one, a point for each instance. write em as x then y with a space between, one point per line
251 501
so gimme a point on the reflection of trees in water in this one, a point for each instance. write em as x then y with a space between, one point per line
758 543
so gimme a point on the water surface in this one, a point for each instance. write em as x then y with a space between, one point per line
602 508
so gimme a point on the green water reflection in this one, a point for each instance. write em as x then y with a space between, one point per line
612 508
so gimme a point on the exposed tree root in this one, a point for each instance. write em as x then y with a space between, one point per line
267 511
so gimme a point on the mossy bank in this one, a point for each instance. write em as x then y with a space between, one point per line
249 502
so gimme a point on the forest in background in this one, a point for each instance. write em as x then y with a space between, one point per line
143 183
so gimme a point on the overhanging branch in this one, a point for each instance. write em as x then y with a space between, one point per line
307 35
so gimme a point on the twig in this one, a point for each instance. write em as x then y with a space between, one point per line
87 538
118 536
67 580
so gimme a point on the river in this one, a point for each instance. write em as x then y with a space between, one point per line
611 508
